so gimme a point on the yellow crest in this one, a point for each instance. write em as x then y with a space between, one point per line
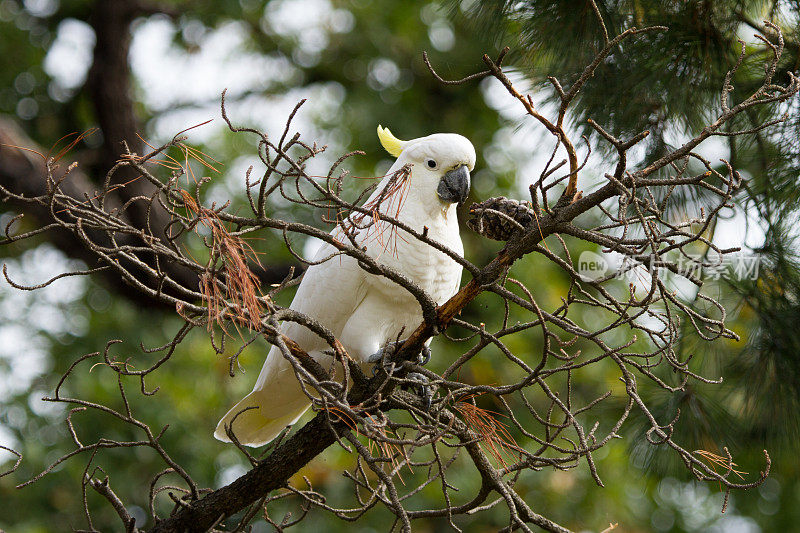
392 144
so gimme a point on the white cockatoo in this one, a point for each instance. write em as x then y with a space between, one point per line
366 311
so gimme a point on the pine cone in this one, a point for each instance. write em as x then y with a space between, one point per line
494 226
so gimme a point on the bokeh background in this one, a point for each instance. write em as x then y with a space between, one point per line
359 63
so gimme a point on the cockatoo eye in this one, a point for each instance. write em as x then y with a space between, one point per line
431 163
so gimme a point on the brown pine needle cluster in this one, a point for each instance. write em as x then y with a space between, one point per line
78 137
715 461
494 434
171 163
51 159
241 285
343 417
390 450
390 201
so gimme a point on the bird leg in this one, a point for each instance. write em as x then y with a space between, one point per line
390 348
384 355
425 391
378 356
424 355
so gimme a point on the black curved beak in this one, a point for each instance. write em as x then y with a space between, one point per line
454 185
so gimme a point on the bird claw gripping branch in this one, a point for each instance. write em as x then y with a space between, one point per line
499 217
382 356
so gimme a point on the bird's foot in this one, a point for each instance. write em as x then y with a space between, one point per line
384 356
425 390
379 358
424 355
390 348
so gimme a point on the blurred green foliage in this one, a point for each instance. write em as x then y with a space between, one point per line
368 55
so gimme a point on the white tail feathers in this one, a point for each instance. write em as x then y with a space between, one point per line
266 417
